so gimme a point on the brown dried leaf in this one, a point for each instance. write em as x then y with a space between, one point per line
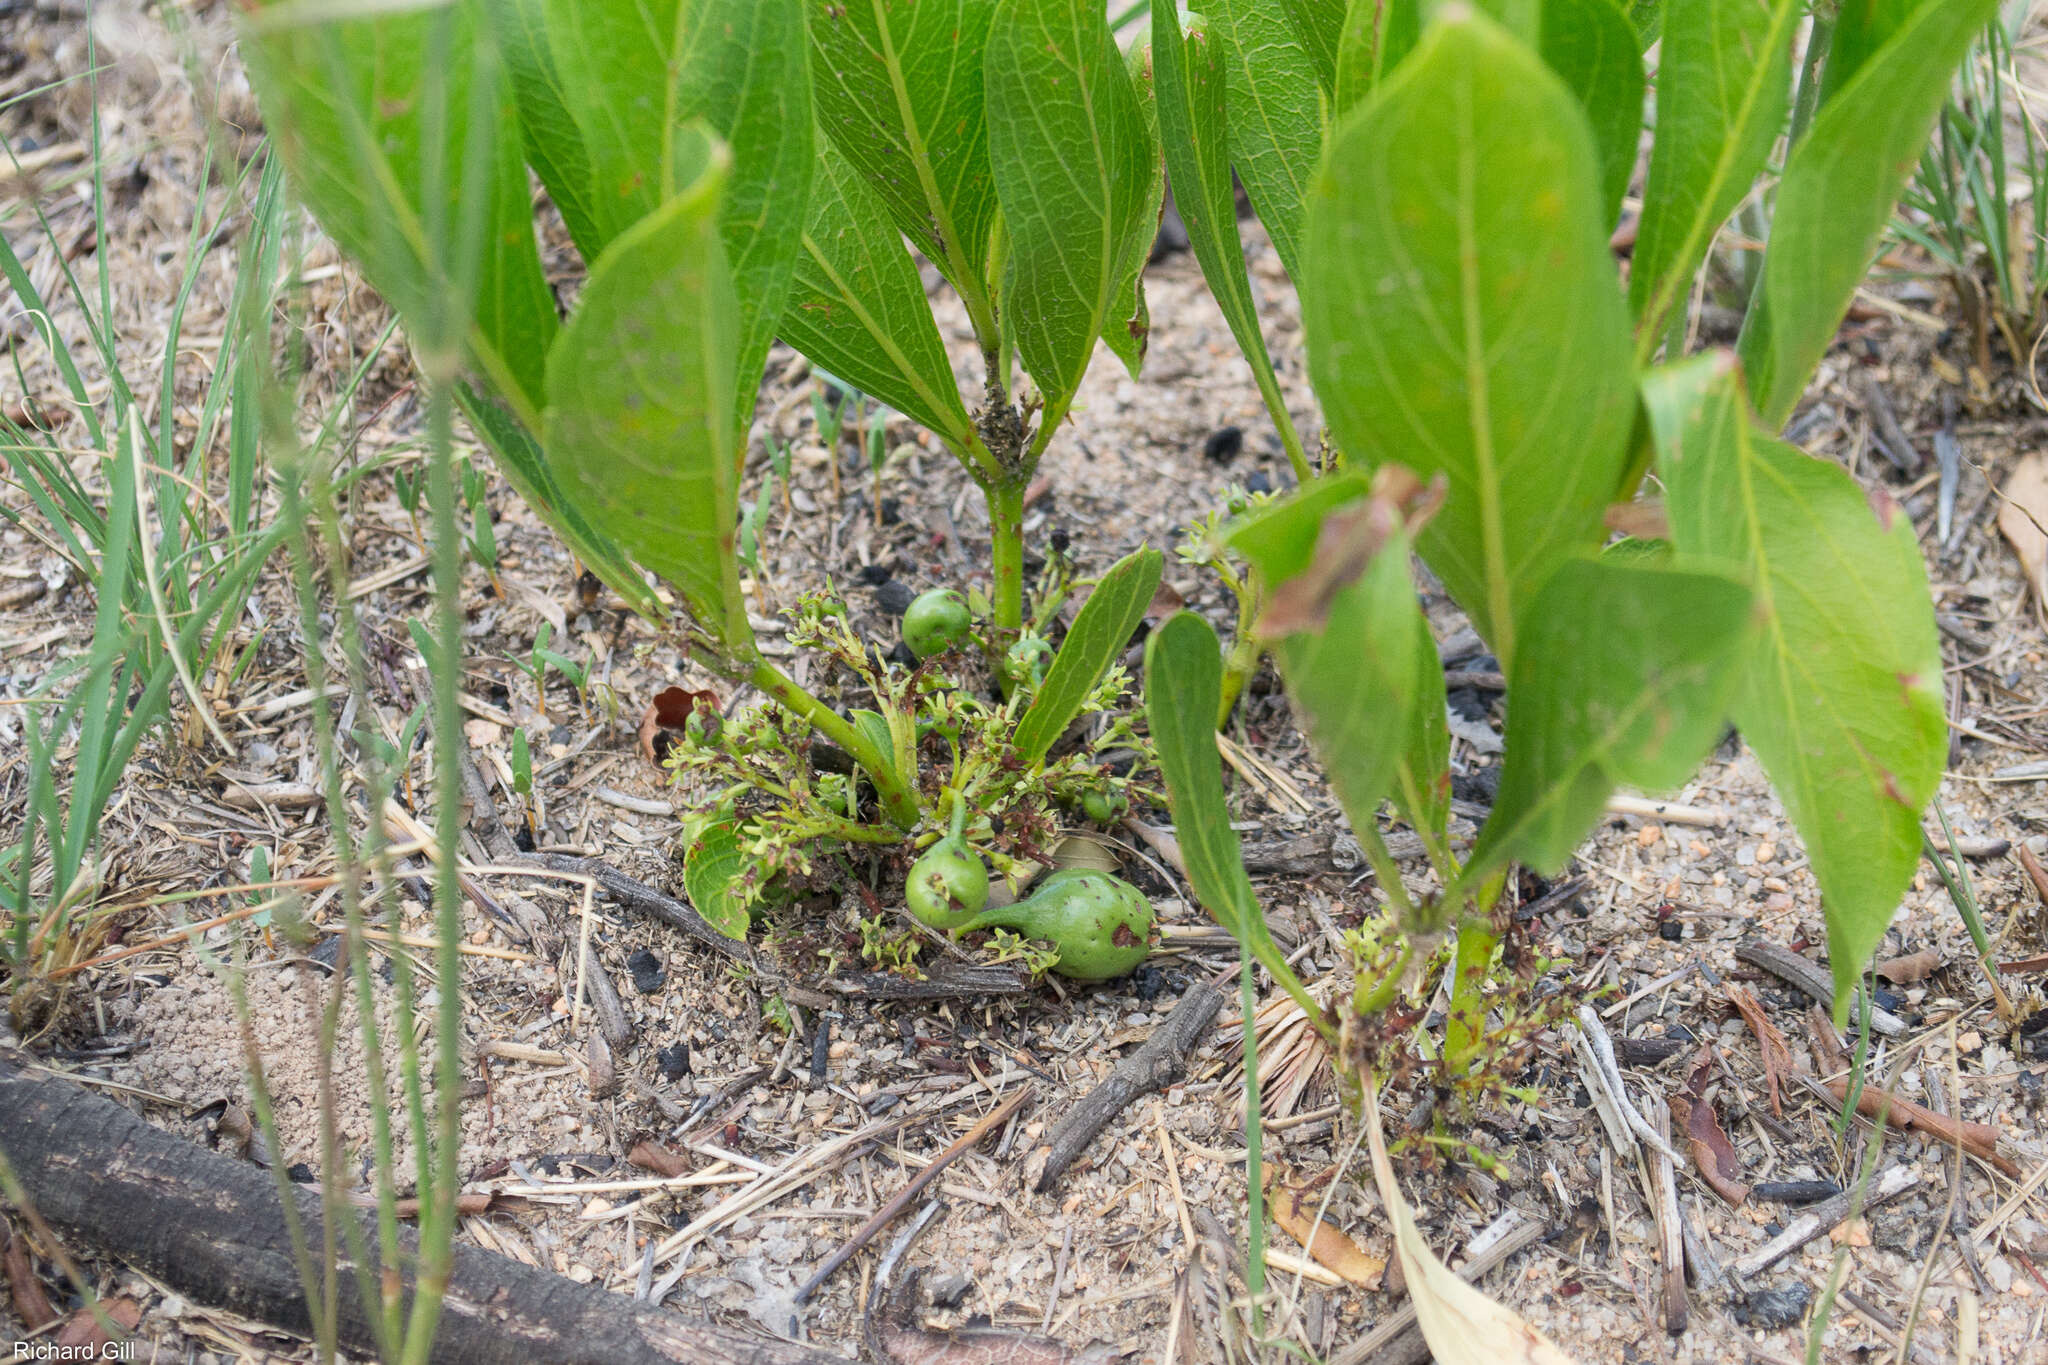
1904 971
2023 521
671 710
1712 1152
86 1339
31 1304
1777 1053
650 1155
1978 1138
1295 1202
1643 519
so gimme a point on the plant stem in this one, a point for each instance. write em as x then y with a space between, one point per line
1006 552
1243 659
1254 1160
899 801
1276 408
1477 938
1807 98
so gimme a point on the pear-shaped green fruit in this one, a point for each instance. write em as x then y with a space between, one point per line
947 885
936 621
1101 925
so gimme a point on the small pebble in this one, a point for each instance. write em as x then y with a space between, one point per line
648 973
1223 444
674 1061
1782 1306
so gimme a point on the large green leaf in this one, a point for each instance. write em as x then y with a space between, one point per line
1722 91
1073 170
1100 631
1377 34
1190 81
1318 26
1354 647
1183 692
524 465
1275 116
1128 328
1593 48
899 90
392 130
712 869
1463 315
1623 677
1841 690
636 76
859 309
548 131
1861 28
1837 196
639 401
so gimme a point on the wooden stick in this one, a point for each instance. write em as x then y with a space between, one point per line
1888 1184
1670 1228
1807 976
1160 1061
887 1214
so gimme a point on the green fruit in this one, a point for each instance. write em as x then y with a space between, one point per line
1101 925
936 621
947 885
1104 807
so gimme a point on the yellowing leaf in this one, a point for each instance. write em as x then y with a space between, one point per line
1295 1202
1461 1325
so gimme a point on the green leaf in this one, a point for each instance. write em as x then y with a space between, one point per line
639 404
636 76
1463 316
1318 26
1128 328
1647 18
712 870
1623 678
1100 631
1861 28
1190 79
1275 124
1840 693
548 131
859 308
1363 667
1183 692
1073 168
520 460
1377 34
1594 50
390 128
1837 195
899 90
1722 92
874 727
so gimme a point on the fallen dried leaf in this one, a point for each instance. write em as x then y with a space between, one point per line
1461 1325
650 1155
85 1339
671 710
1980 1139
1904 971
2023 521
1295 1201
31 1305
1777 1053
1712 1152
